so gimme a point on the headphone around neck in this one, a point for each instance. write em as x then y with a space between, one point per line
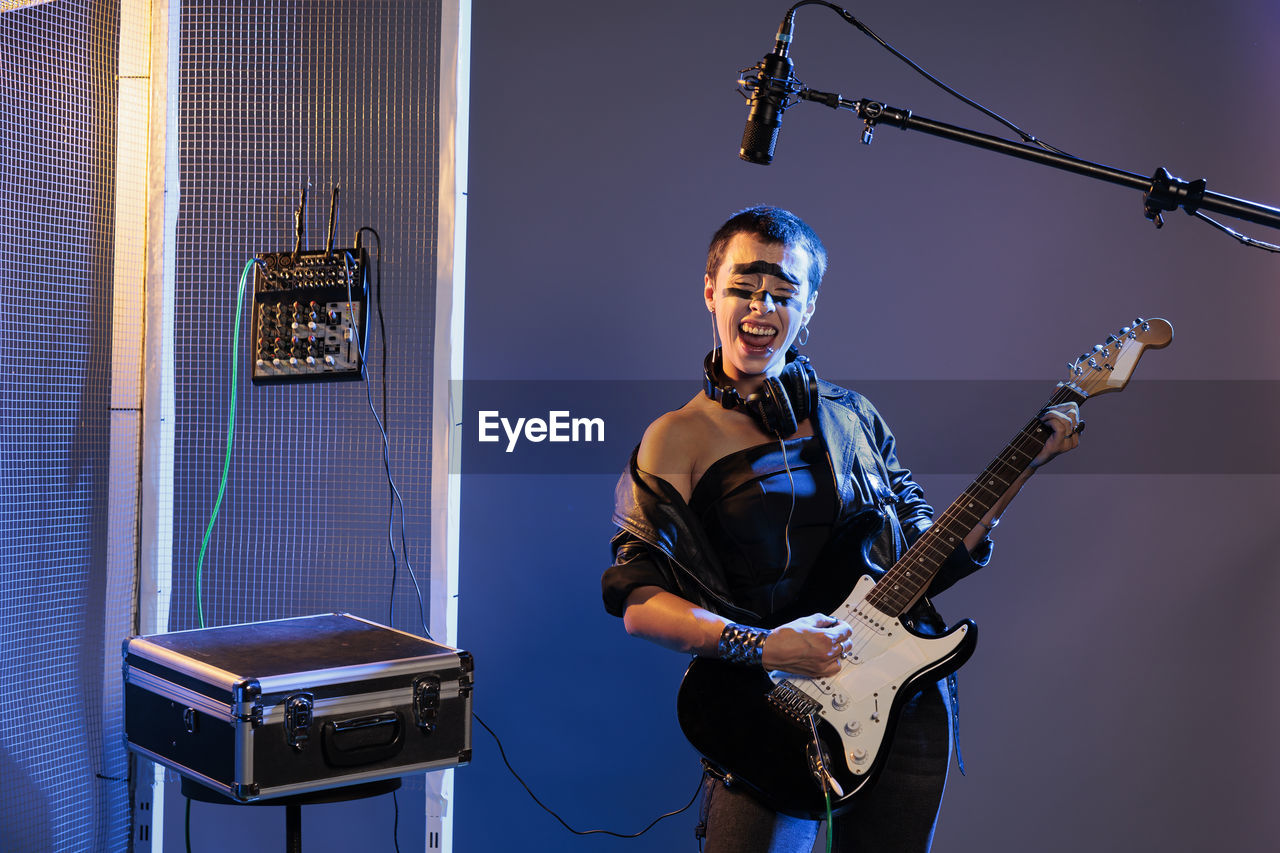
783 401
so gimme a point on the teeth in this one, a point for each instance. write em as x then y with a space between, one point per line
758 330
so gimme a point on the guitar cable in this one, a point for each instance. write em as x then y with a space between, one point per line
823 776
826 796
396 500
548 810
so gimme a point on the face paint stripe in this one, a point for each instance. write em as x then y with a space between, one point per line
763 268
752 295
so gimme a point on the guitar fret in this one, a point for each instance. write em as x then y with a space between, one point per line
903 584
993 486
907 580
858 705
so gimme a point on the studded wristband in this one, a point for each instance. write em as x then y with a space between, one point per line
742 644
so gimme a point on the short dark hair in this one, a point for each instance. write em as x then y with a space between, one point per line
773 225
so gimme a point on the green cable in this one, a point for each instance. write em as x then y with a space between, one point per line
826 793
231 433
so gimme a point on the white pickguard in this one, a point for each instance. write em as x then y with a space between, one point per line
857 701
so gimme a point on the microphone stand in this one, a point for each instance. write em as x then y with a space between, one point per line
1160 192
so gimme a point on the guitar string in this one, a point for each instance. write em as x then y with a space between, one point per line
1031 434
1027 443
868 633
1028 438
898 588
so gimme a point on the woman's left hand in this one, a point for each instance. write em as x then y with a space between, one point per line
1066 423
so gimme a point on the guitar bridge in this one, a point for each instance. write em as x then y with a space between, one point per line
793 703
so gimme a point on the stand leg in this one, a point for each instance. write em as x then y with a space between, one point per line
293 828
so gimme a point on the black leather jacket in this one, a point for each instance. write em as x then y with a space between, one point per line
660 543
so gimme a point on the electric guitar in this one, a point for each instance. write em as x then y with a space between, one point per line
794 740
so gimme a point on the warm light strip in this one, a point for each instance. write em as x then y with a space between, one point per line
13 5
451 227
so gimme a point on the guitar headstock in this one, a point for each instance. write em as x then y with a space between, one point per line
1108 366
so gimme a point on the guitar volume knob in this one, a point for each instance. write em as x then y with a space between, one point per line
839 701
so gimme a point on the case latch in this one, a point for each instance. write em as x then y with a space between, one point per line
297 719
426 701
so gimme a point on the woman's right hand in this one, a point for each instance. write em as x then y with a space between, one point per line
810 646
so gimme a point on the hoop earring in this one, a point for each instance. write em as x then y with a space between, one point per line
803 337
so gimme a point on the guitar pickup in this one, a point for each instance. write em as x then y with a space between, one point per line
881 623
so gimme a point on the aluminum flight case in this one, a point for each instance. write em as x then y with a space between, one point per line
269 709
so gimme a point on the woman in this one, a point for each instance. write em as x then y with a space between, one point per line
741 504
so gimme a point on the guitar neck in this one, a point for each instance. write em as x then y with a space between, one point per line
903 584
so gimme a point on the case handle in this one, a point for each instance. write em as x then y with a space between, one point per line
362 740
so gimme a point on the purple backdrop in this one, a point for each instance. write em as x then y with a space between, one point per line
1121 696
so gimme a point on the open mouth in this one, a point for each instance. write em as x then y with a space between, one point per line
757 337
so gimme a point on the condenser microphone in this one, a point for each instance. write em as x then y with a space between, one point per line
771 89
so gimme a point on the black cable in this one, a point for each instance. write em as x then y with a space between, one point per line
1026 137
384 425
786 530
395 820
1243 238
386 464
386 418
546 809
864 29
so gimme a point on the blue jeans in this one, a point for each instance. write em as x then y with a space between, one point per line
897 815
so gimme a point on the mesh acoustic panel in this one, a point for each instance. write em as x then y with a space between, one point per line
61 761
274 96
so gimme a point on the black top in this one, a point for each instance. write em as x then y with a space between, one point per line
745 503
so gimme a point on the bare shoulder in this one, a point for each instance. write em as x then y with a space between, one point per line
673 444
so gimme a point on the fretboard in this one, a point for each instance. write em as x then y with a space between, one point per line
903 584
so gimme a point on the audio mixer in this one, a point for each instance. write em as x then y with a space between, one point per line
309 313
